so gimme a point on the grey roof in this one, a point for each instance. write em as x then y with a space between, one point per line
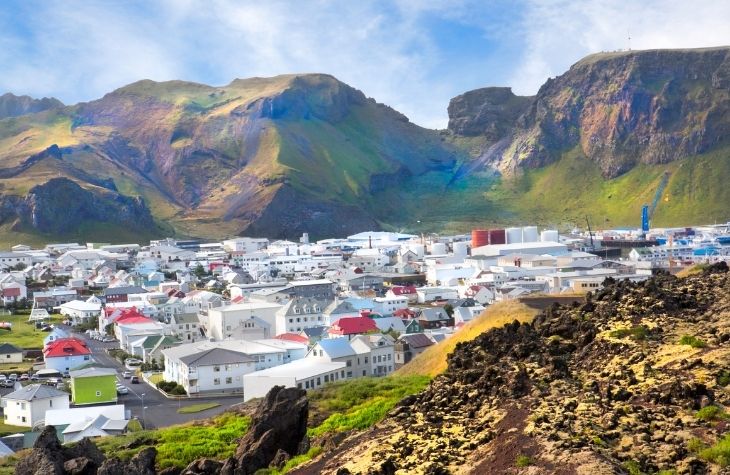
336 347
416 340
35 391
8 348
390 323
186 318
315 332
131 289
433 314
216 356
93 371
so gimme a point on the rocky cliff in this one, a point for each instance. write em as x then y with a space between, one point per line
634 380
620 109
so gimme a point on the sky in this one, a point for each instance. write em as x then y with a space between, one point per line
413 55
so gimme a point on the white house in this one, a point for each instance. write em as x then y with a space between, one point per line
387 305
100 426
219 366
80 311
378 351
12 259
429 294
300 313
10 353
304 374
186 327
65 354
222 320
11 290
27 406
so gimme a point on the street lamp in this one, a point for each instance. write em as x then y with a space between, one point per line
144 423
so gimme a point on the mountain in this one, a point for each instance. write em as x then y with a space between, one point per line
263 156
636 127
633 380
13 106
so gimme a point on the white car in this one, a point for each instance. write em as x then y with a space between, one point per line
126 375
122 390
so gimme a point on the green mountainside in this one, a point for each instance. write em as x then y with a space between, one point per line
307 153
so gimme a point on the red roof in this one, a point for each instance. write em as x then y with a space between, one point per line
293 337
398 290
353 326
66 347
128 316
11 292
238 299
404 313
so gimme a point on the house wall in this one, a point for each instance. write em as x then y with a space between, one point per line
28 413
66 363
215 378
94 389
222 321
11 357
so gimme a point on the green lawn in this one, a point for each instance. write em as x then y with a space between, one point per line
197 408
24 334
8 429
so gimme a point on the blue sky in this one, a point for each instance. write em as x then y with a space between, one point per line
413 55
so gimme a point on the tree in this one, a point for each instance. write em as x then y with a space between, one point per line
199 271
449 309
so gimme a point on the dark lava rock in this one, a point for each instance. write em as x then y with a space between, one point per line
279 424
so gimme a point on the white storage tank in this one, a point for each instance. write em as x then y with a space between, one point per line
549 235
417 249
529 234
438 249
513 235
461 248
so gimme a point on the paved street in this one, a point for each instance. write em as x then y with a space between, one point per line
160 411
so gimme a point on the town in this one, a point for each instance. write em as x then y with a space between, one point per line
97 339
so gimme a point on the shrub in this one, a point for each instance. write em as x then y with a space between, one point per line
711 413
523 461
696 445
723 377
692 341
718 453
633 467
637 332
178 391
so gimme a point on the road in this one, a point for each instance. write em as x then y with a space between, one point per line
160 411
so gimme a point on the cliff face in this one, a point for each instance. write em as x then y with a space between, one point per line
490 111
620 109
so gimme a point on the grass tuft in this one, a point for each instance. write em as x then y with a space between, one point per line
692 341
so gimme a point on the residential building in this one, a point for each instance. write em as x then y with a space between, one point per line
435 317
377 349
93 385
300 313
339 350
403 291
149 347
12 259
12 291
350 327
121 294
223 320
10 353
81 311
27 406
186 327
54 297
65 354
100 426
409 346
430 294
303 374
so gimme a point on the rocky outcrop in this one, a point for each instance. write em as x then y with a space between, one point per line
278 430
490 111
620 109
49 457
14 106
60 206
607 386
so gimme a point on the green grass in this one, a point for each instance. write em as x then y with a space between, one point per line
197 408
155 378
523 461
292 463
718 453
360 403
24 334
10 429
638 333
177 446
723 377
692 341
711 413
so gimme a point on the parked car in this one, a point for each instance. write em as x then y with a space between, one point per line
8 383
126 375
65 374
134 380
3 377
53 381
13 376
122 390
34 377
24 377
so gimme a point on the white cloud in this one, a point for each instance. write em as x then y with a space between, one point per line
80 50
556 34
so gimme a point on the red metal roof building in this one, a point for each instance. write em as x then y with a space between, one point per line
66 347
351 326
296 338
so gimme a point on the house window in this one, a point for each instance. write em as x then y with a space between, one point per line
349 363
216 369
217 381
349 374
50 402
364 373
326 378
229 380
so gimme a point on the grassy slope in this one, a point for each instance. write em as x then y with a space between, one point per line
433 361
24 335
565 192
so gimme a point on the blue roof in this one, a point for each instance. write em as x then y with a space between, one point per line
336 347
360 304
